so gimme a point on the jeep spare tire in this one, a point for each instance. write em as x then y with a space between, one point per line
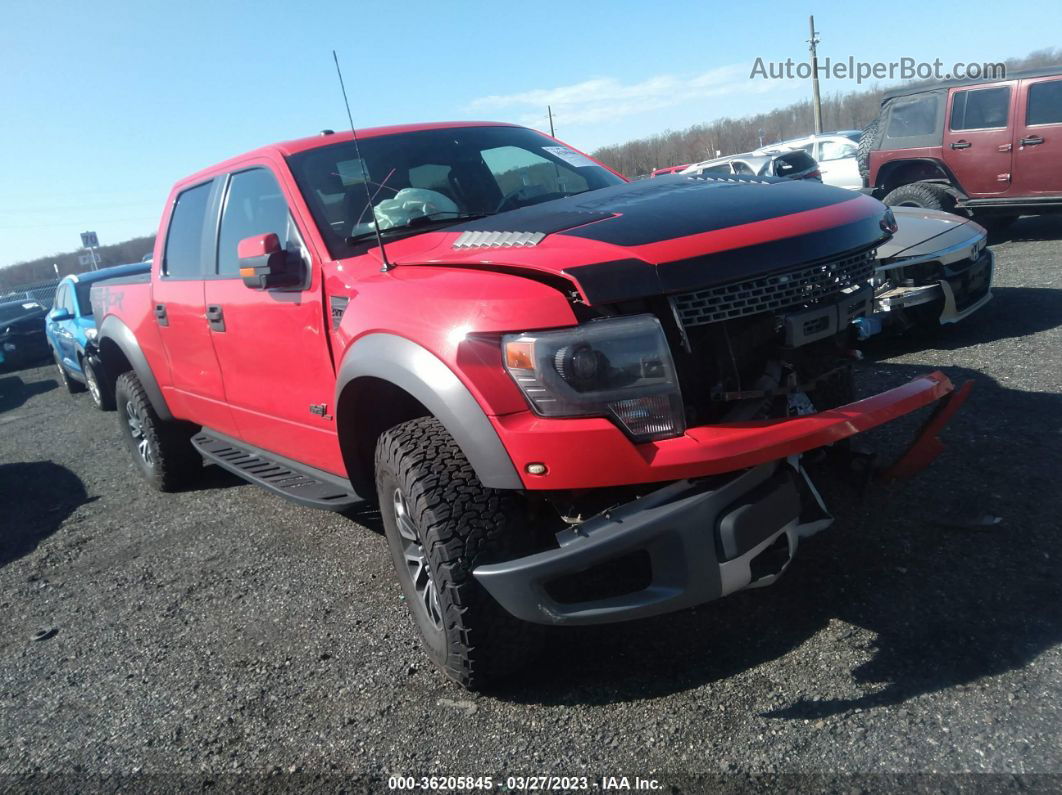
868 142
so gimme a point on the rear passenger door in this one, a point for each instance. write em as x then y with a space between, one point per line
977 138
179 308
838 164
1038 137
273 345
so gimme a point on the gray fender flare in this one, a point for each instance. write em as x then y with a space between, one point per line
424 376
121 335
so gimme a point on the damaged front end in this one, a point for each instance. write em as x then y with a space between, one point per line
936 270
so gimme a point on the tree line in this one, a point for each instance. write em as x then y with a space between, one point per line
42 269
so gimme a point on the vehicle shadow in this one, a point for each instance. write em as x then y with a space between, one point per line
1012 312
1029 228
35 498
14 391
914 595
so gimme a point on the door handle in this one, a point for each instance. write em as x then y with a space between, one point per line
215 318
961 144
160 315
1034 140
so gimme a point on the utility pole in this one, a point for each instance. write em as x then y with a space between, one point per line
549 110
816 103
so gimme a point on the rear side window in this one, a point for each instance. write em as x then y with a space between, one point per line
982 109
836 150
184 240
1045 103
792 163
255 206
742 168
913 117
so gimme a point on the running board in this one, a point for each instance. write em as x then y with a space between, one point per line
297 483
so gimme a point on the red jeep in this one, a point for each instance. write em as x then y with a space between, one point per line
989 149
575 399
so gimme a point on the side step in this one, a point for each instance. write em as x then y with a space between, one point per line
297 483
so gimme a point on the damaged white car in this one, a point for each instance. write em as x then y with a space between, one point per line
936 270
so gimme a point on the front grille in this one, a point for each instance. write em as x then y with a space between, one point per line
780 291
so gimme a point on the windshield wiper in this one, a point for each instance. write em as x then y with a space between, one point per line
422 223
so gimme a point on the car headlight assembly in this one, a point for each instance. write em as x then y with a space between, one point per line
620 368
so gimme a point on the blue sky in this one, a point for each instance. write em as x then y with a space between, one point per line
105 104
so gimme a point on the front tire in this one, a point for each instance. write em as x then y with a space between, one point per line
162 450
921 194
440 523
101 395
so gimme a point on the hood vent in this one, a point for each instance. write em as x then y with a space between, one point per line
498 239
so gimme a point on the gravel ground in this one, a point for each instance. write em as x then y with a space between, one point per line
223 630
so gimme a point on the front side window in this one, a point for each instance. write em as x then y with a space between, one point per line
1045 103
254 205
982 109
420 180
68 299
182 258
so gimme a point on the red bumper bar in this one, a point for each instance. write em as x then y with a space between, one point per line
591 453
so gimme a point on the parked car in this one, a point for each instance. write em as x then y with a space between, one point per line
71 331
990 149
660 172
936 270
834 152
22 340
792 165
575 399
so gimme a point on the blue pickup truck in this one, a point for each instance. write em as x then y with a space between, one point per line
71 330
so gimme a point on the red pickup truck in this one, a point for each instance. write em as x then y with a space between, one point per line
575 399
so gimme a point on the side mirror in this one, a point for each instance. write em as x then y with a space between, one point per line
264 264
60 314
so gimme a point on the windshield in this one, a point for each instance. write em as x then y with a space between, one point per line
418 180
14 311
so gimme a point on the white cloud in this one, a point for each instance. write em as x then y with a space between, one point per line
606 98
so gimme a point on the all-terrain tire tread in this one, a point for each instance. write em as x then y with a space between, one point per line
464 524
177 461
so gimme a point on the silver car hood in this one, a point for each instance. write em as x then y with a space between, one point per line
921 233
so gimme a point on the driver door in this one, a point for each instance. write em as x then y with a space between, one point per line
272 344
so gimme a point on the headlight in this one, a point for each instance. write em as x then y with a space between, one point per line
90 333
619 368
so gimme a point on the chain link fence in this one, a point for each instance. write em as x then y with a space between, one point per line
41 292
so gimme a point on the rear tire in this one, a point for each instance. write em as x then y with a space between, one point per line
162 450
72 386
921 194
440 523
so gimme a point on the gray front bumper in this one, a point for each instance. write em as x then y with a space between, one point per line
703 540
959 298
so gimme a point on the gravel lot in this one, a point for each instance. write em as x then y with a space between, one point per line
223 630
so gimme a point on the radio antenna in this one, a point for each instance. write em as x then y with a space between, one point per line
364 169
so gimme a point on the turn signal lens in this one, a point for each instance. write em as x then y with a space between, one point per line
520 355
